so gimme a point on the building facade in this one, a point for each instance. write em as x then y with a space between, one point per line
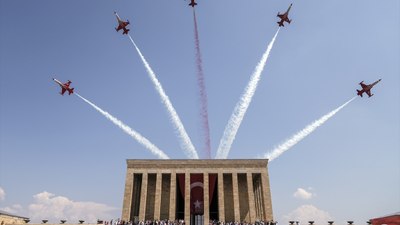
8 218
392 219
197 191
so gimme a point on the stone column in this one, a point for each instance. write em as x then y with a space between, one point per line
206 202
260 207
221 199
187 198
142 209
172 197
127 204
157 202
252 205
235 188
266 196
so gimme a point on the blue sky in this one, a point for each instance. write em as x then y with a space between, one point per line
57 148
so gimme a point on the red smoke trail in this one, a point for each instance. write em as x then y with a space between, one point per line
202 89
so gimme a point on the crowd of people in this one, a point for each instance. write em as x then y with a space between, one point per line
216 222
147 222
182 222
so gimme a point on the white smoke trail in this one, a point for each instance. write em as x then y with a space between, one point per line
302 134
139 138
241 107
186 143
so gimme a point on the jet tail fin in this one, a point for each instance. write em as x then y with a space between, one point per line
70 91
359 92
281 24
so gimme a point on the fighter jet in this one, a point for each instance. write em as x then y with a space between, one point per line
284 17
65 87
192 3
121 24
367 88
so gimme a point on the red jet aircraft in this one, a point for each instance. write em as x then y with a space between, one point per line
121 24
64 87
284 17
192 3
367 88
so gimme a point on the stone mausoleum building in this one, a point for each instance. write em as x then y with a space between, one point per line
197 191
8 218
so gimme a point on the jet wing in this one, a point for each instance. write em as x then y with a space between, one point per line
368 93
282 16
63 91
287 20
119 27
363 85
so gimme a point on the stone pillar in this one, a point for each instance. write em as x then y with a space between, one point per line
187 198
206 202
157 202
142 210
259 215
127 204
235 188
221 199
252 205
172 197
266 196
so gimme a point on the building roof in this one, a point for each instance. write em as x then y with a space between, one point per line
12 215
390 215
197 163
392 219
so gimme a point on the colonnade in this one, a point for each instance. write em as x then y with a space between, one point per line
152 193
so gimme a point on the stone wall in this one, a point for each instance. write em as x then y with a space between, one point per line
243 190
5 219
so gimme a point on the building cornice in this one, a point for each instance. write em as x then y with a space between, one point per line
197 163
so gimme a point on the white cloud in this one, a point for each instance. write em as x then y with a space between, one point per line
307 213
14 209
54 208
2 194
303 194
